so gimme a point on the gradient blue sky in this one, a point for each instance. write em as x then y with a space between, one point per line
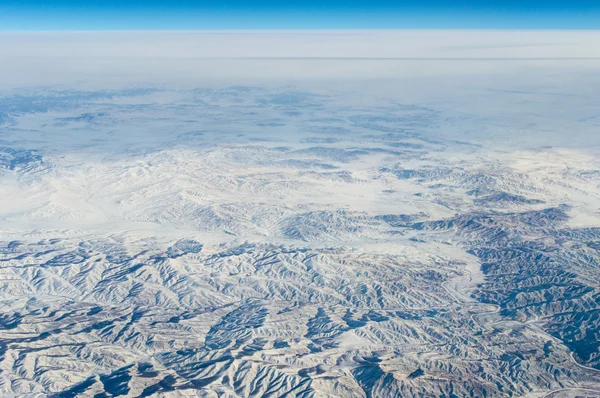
295 14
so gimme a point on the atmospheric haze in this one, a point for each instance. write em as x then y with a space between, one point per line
300 214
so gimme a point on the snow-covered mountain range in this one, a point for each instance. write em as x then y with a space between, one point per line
304 239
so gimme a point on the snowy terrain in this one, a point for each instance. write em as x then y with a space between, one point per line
411 226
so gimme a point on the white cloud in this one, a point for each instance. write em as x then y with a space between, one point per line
184 57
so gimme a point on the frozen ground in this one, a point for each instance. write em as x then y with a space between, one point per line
337 214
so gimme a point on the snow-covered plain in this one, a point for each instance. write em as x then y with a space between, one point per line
323 214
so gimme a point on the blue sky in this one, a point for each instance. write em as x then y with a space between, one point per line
294 14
